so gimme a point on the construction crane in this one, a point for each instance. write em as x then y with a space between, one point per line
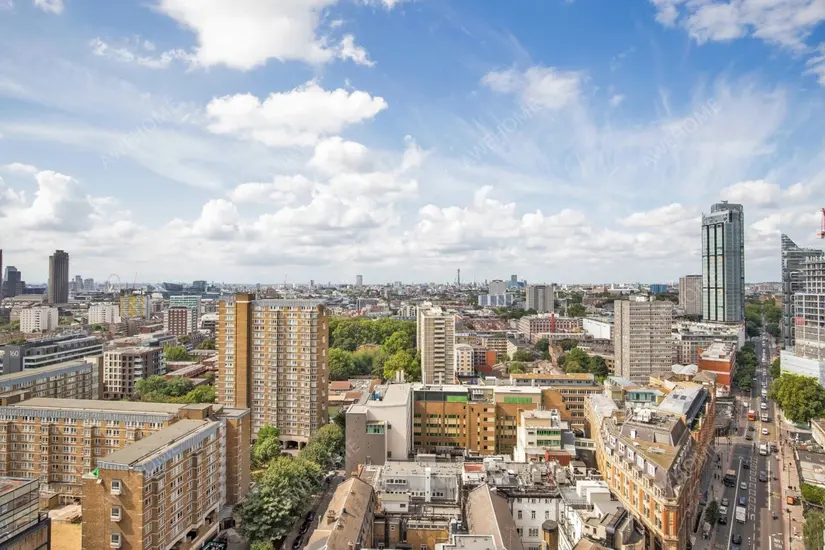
821 233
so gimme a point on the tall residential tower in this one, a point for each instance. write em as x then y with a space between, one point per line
642 339
272 358
540 298
723 263
793 260
690 294
58 278
435 333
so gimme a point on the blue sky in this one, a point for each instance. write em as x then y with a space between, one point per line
567 141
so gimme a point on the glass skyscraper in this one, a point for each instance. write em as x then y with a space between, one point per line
723 263
793 260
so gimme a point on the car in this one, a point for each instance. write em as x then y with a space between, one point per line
749 437
736 538
746 465
763 477
765 431
310 516
304 528
743 486
723 520
725 502
743 501
764 406
299 541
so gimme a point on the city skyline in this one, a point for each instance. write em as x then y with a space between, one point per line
332 152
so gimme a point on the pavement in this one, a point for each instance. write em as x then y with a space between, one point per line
789 482
318 505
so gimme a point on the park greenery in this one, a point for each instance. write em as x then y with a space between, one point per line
13 326
523 355
746 363
813 529
177 353
287 484
157 389
813 494
366 347
801 398
576 310
577 360
209 343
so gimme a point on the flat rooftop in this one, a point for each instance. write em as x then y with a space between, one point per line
9 484
42 372
98 405
143 449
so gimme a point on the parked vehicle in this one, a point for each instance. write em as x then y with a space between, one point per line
741 516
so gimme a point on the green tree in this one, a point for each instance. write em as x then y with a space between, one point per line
542 345
598 367
178 386
524 355
567 344
398 341
516 368
813 494
209 343
97 328
261 545
267 446
773 329
202 394
369 361
800 397
341 364
576 310
574 367
776 370
402 361
153 384
712 512
812 530
279 496
324 446
176 353
184 339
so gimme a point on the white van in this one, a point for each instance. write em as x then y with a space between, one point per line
763 449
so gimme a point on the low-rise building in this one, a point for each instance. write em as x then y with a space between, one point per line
379 427
539 436
690 336
348 521
464 360
720 359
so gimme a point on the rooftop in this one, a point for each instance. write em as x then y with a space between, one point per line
9 484
144 448
42 372
341 524
97 405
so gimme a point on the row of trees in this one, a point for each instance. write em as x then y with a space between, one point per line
801 398
754 312
776 369
157 389
386 347
286 484
746 363
177 353
813 529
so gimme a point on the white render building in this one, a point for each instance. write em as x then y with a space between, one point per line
38 319
104 314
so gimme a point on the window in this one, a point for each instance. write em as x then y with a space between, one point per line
533 514
519 514
115 540
116 487
115 516
547 514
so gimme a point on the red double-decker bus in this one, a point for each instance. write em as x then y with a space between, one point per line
751 415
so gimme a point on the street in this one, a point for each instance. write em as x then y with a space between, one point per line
762 498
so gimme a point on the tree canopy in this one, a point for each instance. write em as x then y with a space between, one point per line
712 512
812 529
324 446
746 363
157 389
364 347
515 368
576 310
523 355
267 446
209 343
813 494
801 398
279 496
578 361
177 353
